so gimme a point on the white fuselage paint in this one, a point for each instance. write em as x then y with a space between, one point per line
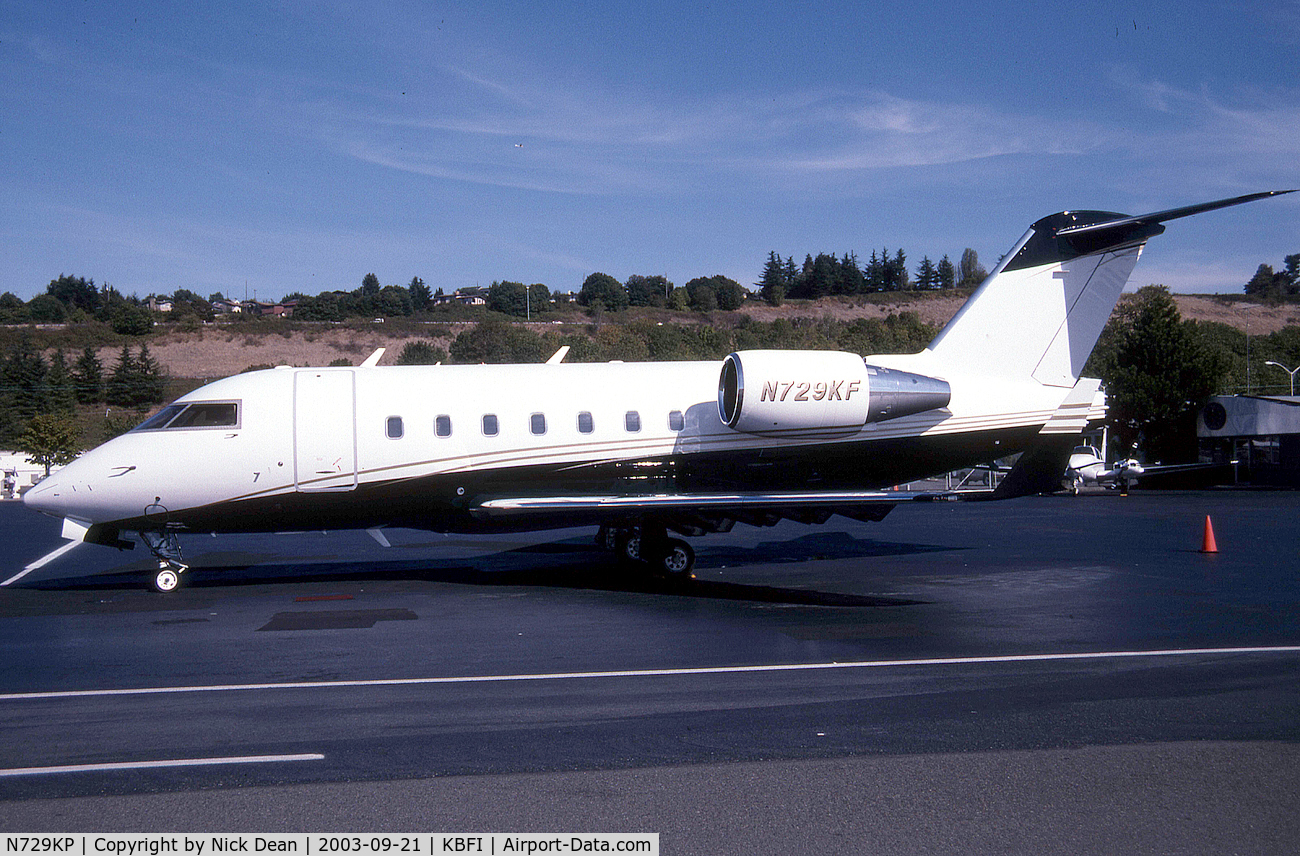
280 447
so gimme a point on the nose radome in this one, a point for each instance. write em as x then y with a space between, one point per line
46 496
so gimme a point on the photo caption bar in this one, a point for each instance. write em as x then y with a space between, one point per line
324 843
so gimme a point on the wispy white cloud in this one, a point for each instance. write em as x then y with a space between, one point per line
596 141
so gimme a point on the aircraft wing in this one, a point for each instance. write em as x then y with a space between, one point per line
752 507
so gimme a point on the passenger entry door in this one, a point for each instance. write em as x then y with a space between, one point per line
324 430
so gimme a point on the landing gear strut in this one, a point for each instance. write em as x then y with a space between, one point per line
167 550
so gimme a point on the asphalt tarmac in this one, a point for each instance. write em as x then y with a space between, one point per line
1041 675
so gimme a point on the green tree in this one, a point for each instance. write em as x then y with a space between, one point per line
421 297
927 277
947 273
648 290
119 389
392 301
44 309
421 353
369 284
127 319
137 381
61 385
772 285
50 439
600 290
497 341
88 377
152 380
731 294
23 388
508 298
75 292
969 270
702 294
1158 374
12 309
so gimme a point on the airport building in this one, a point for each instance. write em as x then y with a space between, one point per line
1260 432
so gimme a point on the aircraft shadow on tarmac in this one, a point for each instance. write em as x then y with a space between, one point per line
568 564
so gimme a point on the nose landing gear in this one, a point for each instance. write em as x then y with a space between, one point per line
166 549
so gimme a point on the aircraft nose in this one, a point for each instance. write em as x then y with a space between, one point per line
48 496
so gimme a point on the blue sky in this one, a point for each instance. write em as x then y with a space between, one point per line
297 146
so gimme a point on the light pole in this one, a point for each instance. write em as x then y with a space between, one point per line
1287 370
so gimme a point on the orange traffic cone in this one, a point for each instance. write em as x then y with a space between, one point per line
1207 541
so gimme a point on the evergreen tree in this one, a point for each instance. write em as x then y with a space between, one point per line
62 387
849 278
151 382
23 388
927 278
369 285
118 391
947 273
420 295
791 274
772 284
898 268
875 274
88 377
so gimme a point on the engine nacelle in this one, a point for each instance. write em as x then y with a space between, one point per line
818 393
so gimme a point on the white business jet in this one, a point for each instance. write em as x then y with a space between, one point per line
638 449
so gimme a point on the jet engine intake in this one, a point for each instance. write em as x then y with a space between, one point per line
818 393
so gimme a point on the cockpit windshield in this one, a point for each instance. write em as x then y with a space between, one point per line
198 414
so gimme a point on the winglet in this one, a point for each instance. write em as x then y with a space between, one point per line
373 359
558 356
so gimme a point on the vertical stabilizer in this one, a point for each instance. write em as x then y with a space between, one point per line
1039 314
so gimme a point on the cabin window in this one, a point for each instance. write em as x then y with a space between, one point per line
199 414
442 425
537 423
394 428
490 426
632 421
676 422
585 423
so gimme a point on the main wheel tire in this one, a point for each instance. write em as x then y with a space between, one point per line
166 580
629 545
678 559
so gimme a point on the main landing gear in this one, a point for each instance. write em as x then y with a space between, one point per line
167 550
649 545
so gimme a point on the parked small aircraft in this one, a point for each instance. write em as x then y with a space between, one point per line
1087 467
638 449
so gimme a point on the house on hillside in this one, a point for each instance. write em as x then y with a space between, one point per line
227 307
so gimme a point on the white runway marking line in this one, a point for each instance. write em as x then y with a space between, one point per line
157 765
658 673
41 562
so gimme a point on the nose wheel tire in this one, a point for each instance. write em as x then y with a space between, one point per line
166 580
